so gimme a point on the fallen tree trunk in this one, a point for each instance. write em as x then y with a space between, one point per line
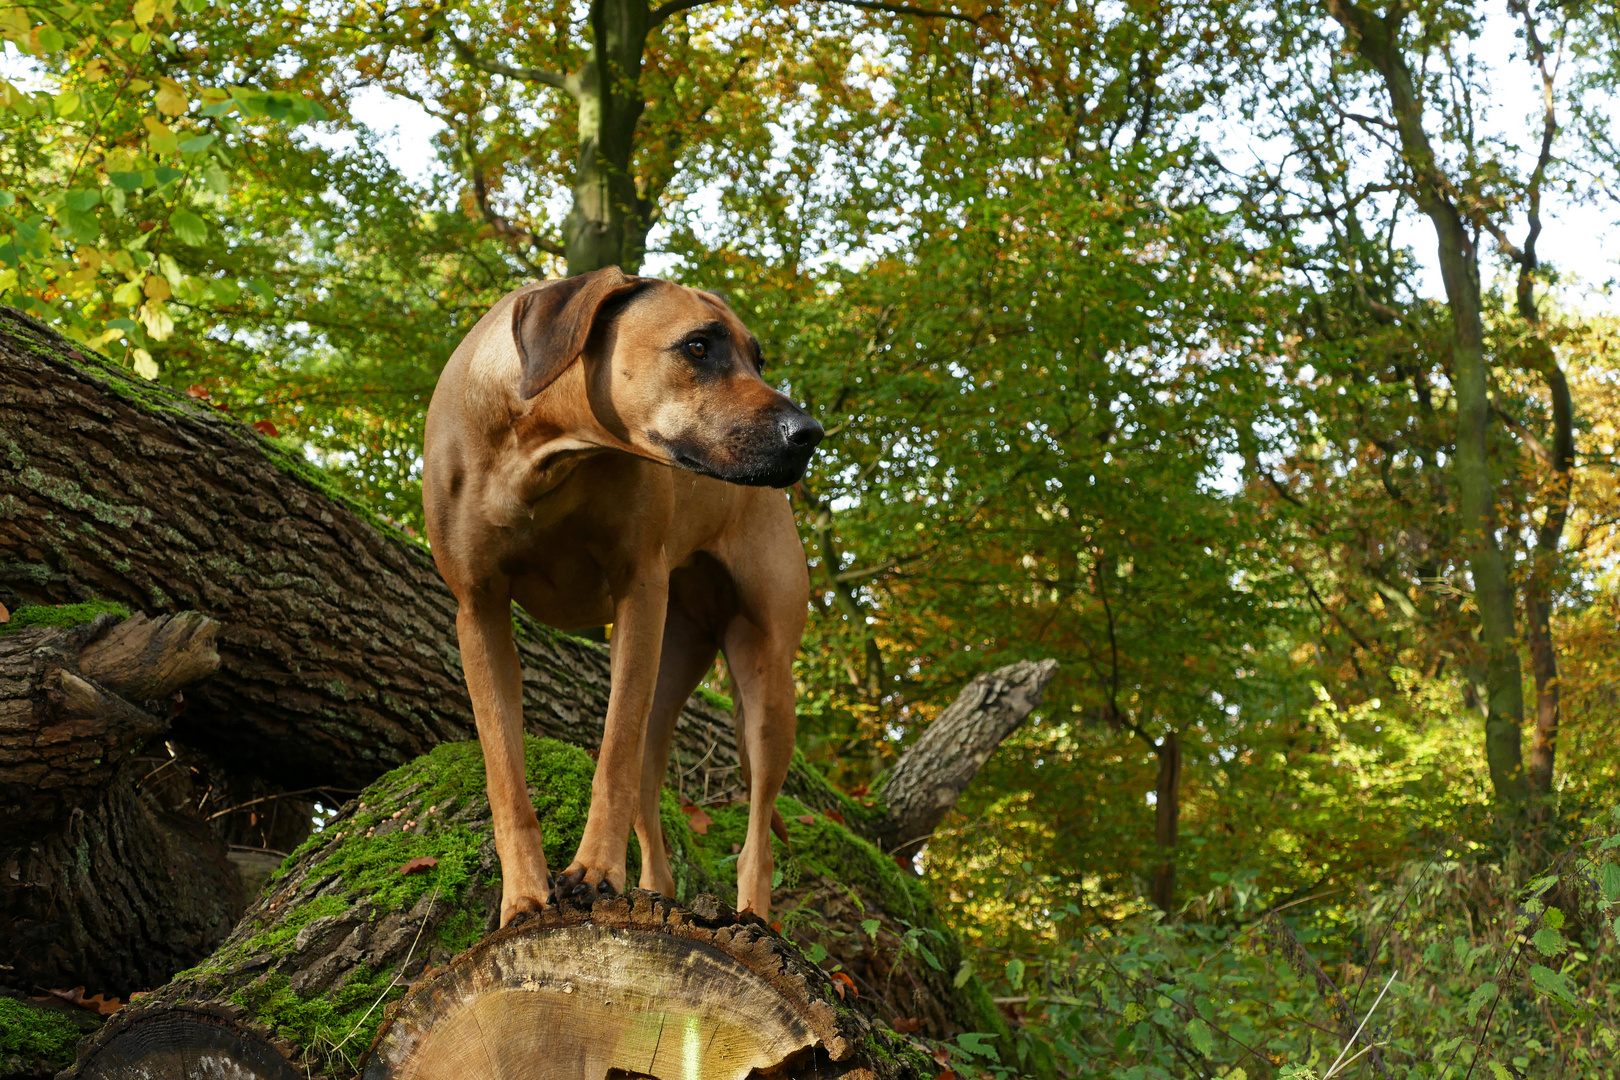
405 879
338 655
100 884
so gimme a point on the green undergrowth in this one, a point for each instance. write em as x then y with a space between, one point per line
62 614
29 1035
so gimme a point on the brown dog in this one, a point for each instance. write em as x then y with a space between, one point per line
603 449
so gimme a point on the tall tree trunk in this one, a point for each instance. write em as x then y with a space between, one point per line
1560 457
608 222
1167 819
1377 40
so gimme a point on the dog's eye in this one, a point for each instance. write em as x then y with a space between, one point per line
697 349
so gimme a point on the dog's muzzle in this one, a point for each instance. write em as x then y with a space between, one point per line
773 453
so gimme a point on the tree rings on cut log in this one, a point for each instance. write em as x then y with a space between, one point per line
635 987
183 1044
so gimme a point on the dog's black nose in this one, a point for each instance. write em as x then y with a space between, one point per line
799 429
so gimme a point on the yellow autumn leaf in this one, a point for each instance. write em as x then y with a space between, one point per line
144 10
145 366
157 288
171 98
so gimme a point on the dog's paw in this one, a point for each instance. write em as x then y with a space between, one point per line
521 902
585 885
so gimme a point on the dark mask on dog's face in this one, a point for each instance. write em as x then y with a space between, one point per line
674 374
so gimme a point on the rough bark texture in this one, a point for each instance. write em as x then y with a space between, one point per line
102 885
938 767
338 649
343 932
74 706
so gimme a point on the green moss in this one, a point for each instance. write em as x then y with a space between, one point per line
34 1034
718 701
335 1025
62 614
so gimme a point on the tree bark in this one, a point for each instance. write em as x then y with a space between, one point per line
338 655
69 716
100 884
1377 40
932 774
608 222
1167 818
356 944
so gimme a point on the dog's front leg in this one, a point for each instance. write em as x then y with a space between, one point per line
639 609
495 684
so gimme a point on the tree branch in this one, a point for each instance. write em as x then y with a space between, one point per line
672 7
495 67
900 9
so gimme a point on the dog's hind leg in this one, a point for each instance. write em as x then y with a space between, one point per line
495 684
688 653
761 663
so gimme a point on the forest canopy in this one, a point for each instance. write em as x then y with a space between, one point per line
1241 356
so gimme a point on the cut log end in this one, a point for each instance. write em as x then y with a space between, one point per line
183 1044
637 987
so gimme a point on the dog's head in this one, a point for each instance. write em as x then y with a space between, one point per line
670 372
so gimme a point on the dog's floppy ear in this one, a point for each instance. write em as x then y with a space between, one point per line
552 324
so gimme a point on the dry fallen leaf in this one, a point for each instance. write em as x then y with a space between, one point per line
699 821
5 616
841 980
421 862
905 1025
104 1006
265 427
777 926
948 1074
836 816
807 819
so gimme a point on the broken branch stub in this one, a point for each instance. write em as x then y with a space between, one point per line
934 772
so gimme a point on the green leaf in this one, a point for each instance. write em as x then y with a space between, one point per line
979 1043
1202 1038
164 173
1554 918
128 294
82 226
817 953
7 199
83 199
50 39
1609 877
1015 973
1478 999
126 181
66 103
197 145
215 180
963 974
189 228
1555 984
1549 942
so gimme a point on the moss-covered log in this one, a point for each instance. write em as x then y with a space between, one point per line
101 884
405 878
38 1037
338 649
